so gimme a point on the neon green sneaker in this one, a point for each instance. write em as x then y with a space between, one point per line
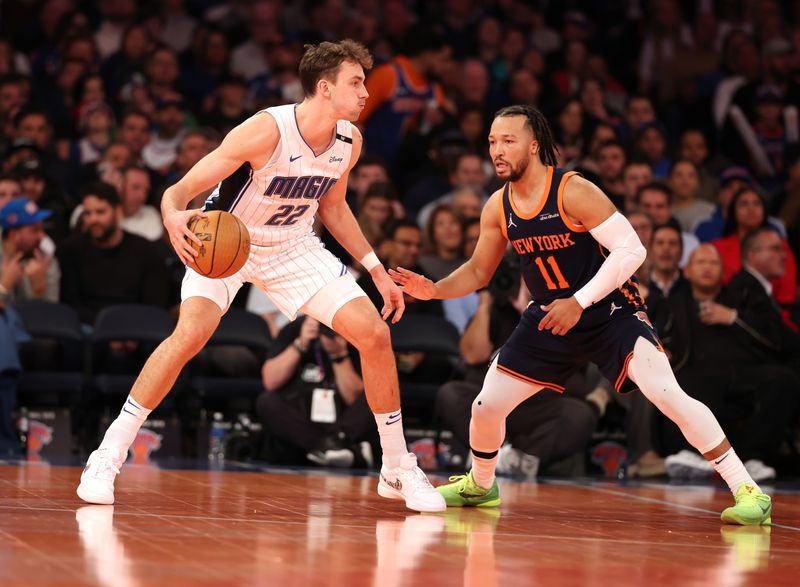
752 507
463 491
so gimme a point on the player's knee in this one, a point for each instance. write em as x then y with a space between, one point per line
485 410
373 336
191 337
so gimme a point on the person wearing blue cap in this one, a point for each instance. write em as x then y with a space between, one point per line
25 271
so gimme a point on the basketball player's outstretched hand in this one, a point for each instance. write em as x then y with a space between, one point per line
391 294
562 314
177 225
413 284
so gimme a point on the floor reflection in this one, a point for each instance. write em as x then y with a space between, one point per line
750 546
103 550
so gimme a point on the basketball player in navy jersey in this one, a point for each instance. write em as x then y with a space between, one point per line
275 171
577 255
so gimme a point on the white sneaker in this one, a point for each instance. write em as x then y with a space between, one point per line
409 483
688 465
759 471
512 461
97 479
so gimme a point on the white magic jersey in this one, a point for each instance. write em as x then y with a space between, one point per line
278 201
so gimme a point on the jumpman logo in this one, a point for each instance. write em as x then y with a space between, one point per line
511 220
614 308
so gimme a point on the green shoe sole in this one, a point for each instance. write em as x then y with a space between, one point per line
731 518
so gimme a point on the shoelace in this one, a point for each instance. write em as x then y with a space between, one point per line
417 478
103 466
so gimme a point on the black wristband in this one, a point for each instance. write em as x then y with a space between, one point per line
336 359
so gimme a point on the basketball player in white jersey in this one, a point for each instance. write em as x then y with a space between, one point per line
276 171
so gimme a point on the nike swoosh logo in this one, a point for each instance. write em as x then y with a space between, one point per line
124 409
393 418
294 158
722 459
766 509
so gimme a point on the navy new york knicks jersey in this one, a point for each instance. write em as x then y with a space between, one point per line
557 257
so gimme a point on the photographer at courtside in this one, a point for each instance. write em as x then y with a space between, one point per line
313 407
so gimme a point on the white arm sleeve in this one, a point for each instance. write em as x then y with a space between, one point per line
626 254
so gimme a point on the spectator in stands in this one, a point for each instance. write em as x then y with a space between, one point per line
107 265
377 213
161 71
655 200
611 164
26 271
228 109
403 245
137 216
693 147
687 208
468 170
369 169
731 181
665 255
723 351
117 16
134 131
178 26
194 145
569 131
639 110
444 243
401 91
637 173
250 58
746 212
313 406
95 126
47 194
651 143
169 118
10 188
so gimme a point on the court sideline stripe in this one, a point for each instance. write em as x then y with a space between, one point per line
670 503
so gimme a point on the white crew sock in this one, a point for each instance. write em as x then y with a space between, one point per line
123 430
730 468
393 442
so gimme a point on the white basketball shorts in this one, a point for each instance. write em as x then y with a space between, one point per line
291 274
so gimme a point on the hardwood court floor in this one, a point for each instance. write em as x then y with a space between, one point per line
173 527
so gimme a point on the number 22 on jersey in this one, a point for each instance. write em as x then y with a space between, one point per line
287 215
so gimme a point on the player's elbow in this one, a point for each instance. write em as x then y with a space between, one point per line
639 255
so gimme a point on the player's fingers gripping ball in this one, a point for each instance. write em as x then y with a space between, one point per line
225 244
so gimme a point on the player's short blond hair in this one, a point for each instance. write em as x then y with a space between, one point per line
324 60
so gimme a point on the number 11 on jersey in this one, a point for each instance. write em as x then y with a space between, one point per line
562 283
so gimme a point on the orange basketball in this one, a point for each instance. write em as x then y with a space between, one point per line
225 244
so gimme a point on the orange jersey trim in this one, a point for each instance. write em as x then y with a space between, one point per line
525 379
564 217
542 199
624 373
503 213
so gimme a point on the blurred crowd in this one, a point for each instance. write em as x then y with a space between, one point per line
684 113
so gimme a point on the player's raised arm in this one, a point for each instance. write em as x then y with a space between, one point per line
472 275
252 142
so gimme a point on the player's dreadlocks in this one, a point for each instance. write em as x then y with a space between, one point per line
536 121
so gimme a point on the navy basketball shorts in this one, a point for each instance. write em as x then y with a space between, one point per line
605 335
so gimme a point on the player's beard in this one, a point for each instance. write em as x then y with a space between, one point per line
515 172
